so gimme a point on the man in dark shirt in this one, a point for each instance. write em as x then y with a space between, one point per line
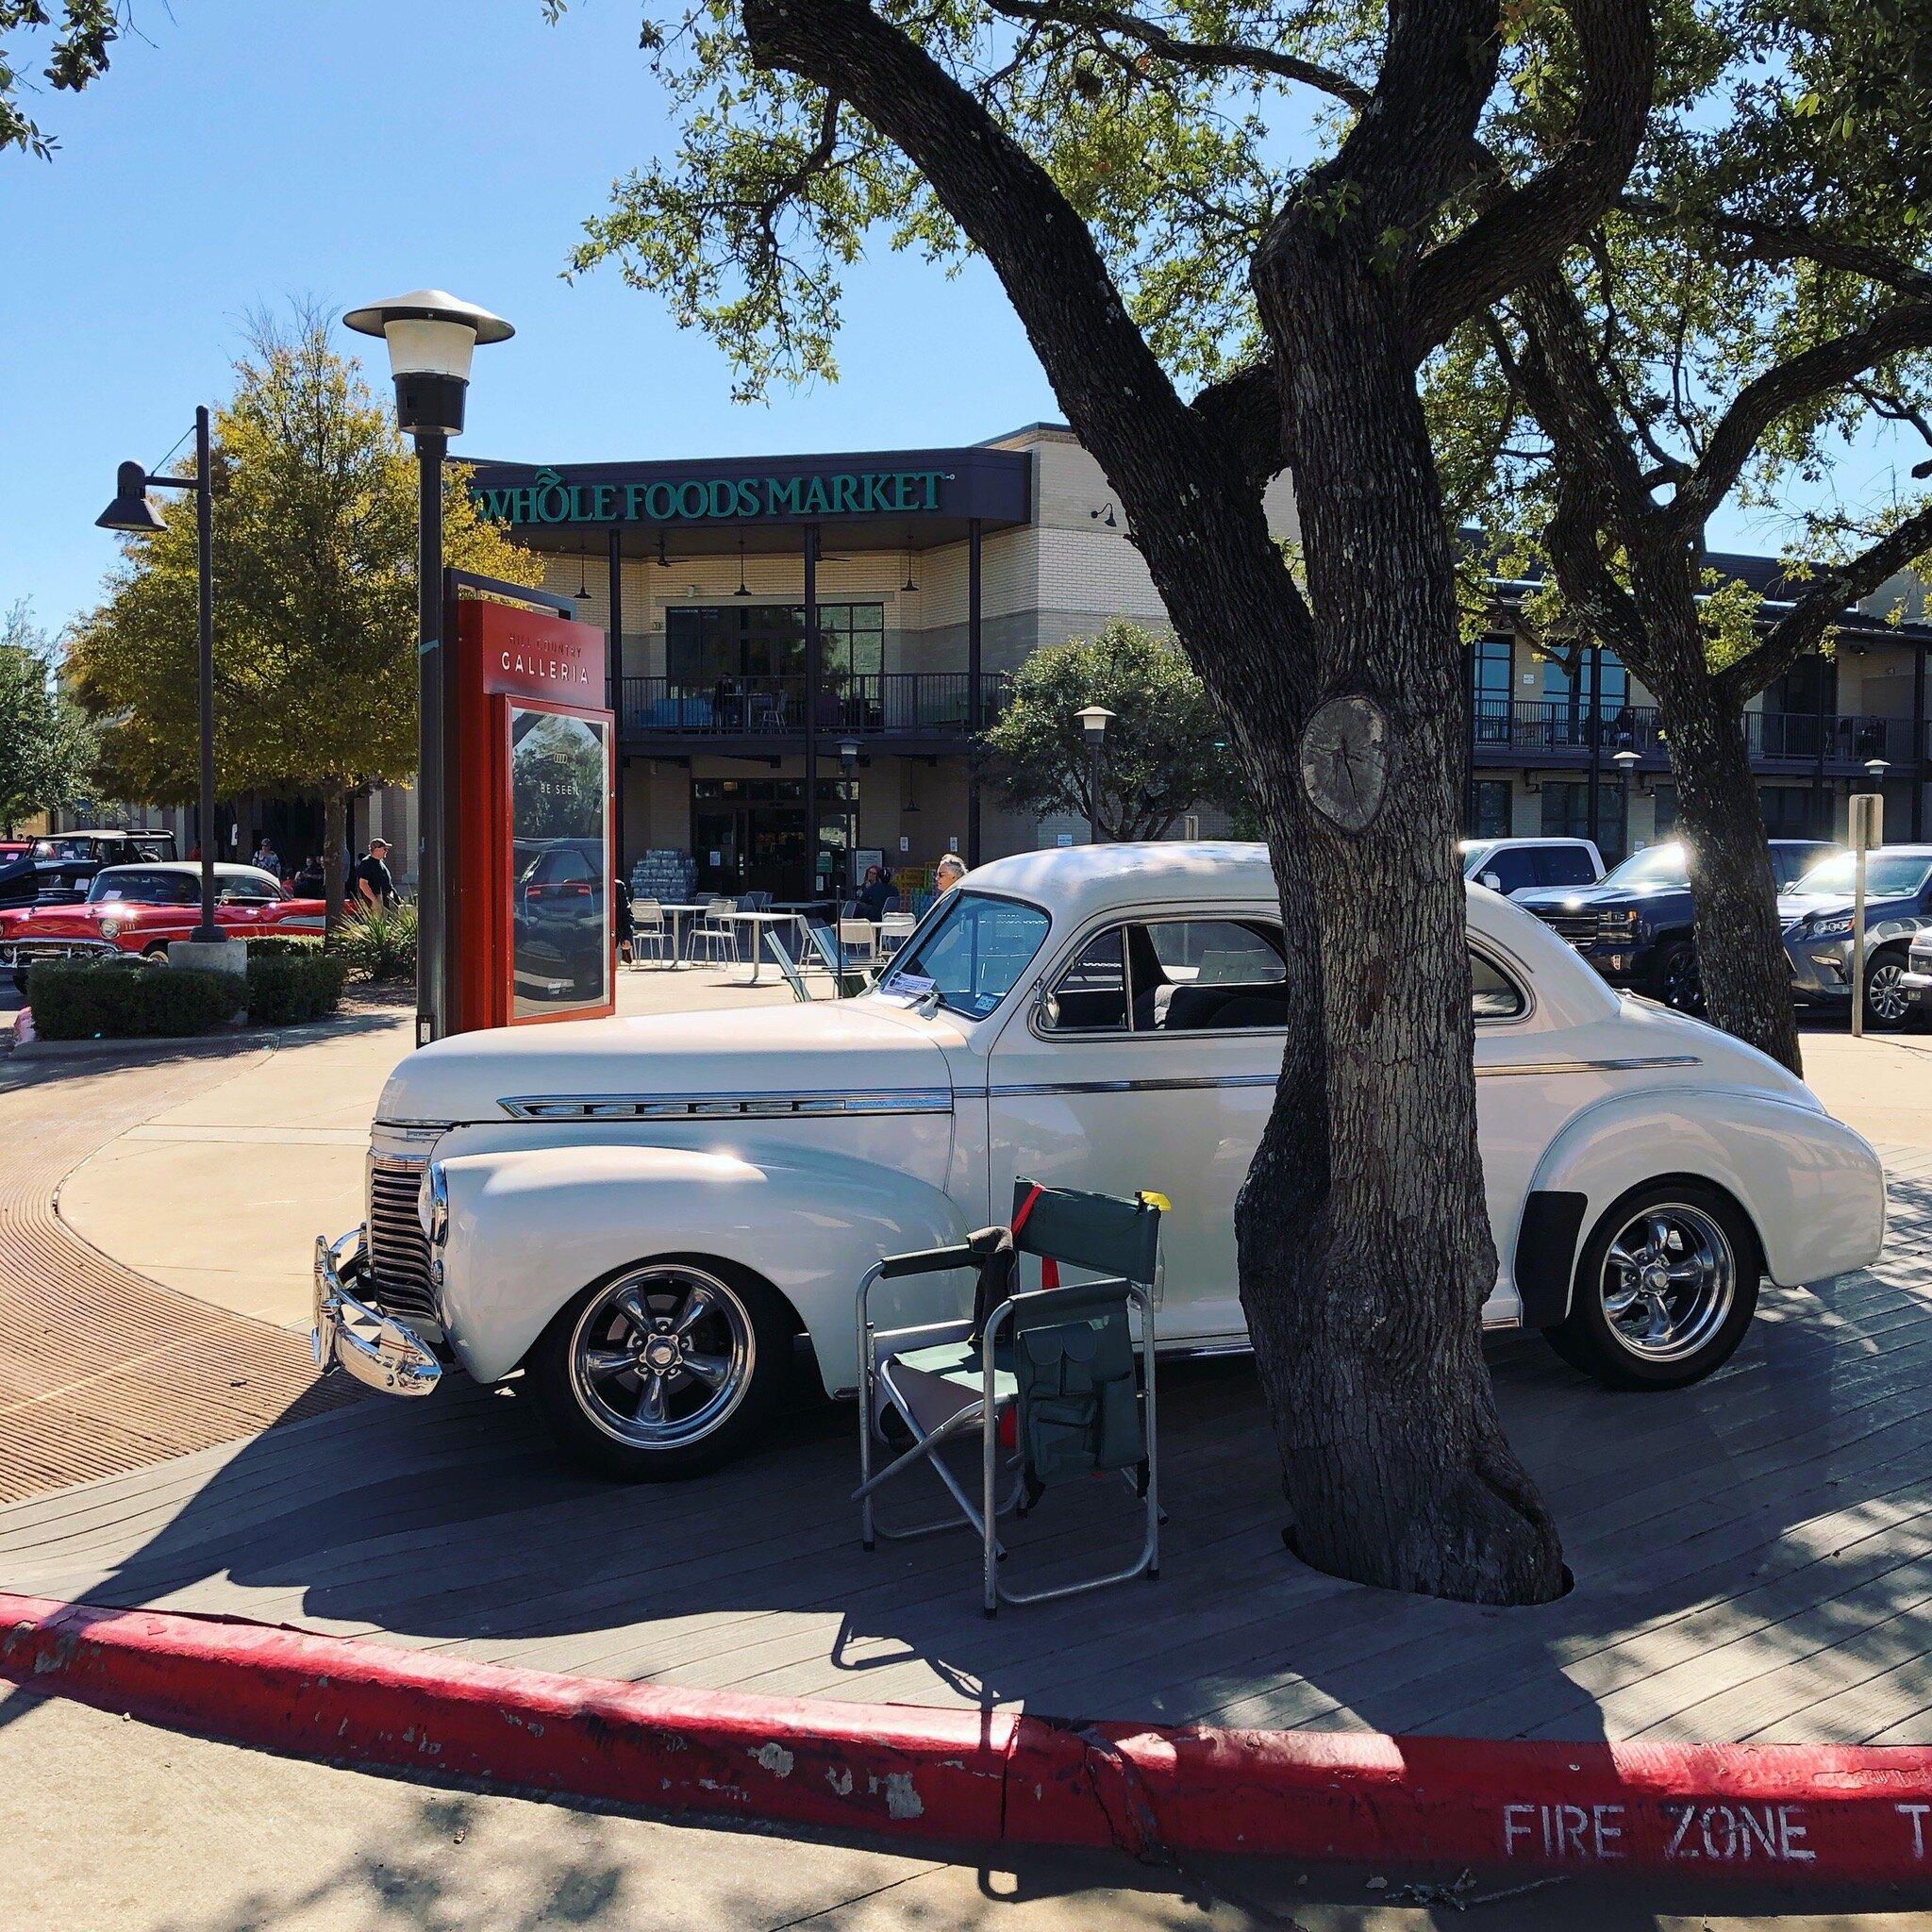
370 884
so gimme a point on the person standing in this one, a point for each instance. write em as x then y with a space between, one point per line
370 883
947 873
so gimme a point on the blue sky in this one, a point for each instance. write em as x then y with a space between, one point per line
243 152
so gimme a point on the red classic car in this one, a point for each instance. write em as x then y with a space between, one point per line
136 909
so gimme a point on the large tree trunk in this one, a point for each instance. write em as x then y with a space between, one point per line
1366 1313
1741 950
335 839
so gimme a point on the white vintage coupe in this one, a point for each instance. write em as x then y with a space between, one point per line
645 1215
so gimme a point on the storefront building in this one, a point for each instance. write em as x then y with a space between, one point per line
775 613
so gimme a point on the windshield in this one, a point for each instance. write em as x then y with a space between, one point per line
969 953
141 887
1888 876
1662 865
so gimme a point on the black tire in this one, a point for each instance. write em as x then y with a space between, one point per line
747 1320
1887 1008
1717 1240
1678 978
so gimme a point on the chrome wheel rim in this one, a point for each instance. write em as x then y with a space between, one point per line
1668 1282
1884 992
661 1356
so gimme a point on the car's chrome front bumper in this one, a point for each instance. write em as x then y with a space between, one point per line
22 953
376 1348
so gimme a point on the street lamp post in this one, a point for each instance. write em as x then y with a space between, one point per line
431 337
132 511
1626 762
1094 719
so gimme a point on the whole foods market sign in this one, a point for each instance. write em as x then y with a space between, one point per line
550 497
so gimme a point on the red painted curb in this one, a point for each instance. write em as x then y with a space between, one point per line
1782 1813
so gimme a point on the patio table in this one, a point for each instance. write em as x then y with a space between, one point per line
760 923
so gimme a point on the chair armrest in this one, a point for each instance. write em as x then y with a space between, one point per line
930 1260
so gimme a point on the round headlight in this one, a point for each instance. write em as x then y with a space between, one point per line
110 928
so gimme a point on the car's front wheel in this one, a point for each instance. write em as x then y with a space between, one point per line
1888 1002
1665 1288
666 1369
1679 978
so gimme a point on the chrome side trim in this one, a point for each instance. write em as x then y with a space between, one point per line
706 1106
1636 1064
1036 1090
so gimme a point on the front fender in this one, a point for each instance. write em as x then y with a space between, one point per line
1813 1189
529 1228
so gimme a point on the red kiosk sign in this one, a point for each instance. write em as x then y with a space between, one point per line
532 767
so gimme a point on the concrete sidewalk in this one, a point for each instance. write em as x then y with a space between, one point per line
222 1196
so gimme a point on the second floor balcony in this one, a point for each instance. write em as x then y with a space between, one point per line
1545 731
910 709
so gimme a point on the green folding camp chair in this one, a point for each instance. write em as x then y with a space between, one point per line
1043 1377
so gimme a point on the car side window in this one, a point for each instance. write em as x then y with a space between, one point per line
1174 975
1564 865
1509 872
1492 995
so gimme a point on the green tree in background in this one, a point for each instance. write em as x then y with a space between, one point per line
77 53
1166 748
45 744
315 598
1760 296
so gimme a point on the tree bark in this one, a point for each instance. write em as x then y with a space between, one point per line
1740 952
1366 1313
335 839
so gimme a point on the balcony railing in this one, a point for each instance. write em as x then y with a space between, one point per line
896 704
1549 728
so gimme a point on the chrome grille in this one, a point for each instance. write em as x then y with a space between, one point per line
398 1249
1577 927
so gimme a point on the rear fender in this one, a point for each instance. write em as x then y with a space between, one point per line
528 1228
1813 1189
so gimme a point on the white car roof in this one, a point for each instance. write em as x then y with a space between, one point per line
223 869
1080 882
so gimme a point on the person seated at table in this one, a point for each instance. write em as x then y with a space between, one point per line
877 895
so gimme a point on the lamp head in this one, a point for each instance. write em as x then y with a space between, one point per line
133 510
848 753
1094 719
431 336
1626 761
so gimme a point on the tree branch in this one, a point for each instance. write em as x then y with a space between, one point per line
1524 229
1826 365
1758 241
1801 628
1166 46
1242 412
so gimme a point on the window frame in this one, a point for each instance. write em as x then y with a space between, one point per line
1049 980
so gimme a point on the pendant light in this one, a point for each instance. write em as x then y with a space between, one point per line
663 561
743 590
583 575
908 584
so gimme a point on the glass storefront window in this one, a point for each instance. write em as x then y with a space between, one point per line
705 645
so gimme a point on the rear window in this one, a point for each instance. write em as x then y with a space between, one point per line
140 885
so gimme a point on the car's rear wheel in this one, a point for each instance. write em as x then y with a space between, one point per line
1665 1288
665 1369
1888 1004
1679 978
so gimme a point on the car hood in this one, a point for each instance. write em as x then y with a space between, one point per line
1576 898
1795 906
817 1050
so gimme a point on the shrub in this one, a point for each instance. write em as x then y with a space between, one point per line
284 945
128 999
286 988
378 942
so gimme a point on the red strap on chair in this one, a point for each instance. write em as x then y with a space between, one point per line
1049 1268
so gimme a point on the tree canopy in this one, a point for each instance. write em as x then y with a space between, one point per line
1165 749
45 746
78 45
315 593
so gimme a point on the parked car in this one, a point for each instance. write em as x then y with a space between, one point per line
58 868
1517 865
136 909
1817 916
643 1214
1917 978
1636 927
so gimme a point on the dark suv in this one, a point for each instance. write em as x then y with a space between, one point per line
59 867
1636 927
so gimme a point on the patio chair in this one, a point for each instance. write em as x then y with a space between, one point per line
850 983
788 969
1045 1376
713 932
650 929
858 943
895 929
